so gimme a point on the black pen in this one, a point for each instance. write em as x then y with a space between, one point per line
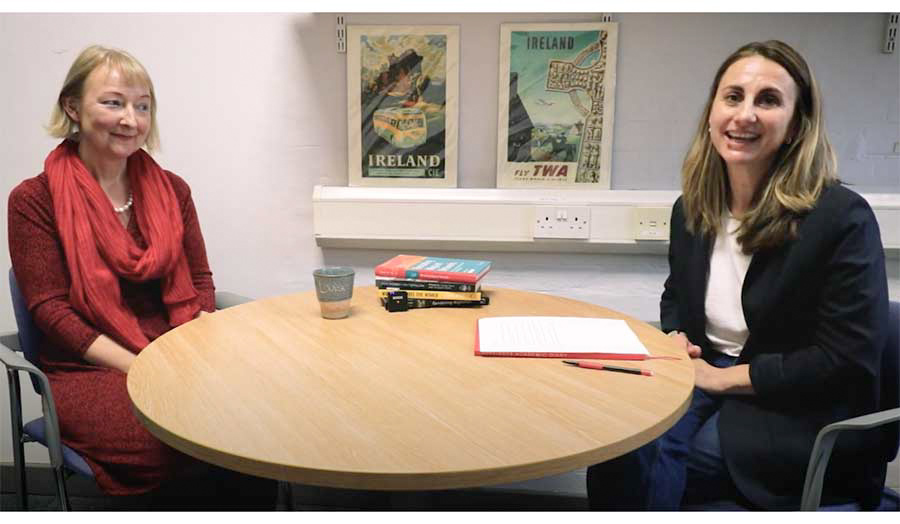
597 365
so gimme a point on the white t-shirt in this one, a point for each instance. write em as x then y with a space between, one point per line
725 324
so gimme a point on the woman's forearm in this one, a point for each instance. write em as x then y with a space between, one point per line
107 353
736 380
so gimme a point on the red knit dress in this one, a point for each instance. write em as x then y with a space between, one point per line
95 414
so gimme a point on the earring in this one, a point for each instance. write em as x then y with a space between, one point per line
788 141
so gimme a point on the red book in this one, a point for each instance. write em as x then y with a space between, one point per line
433 268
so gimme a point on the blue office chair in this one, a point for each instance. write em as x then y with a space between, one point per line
45 430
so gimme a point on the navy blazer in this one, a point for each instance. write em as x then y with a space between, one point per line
817 312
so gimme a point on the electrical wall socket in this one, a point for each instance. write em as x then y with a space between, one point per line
562 222
651 223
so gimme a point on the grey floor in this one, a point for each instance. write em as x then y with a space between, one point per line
469 500
558 493
85 496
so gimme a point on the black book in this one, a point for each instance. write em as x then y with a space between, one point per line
430 285
419 303
416 303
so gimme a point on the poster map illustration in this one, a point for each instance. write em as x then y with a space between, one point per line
557 89
402 103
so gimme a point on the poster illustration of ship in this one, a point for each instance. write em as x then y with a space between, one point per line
557 98
402 85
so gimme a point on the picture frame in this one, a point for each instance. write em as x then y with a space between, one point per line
556 105
402 105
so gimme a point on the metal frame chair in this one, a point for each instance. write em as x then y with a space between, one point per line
45 430
890 397
886 419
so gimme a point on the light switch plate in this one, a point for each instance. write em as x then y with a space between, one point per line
651 223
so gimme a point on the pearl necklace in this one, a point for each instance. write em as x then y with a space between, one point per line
126 206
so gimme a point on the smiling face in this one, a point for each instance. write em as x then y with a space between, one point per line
751 115
113 116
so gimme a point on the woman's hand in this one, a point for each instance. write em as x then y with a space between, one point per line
108 353
733 380
692 350
706 376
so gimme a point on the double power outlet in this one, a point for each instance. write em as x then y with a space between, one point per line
574 222
562 222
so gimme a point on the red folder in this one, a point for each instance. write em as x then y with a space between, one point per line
551 354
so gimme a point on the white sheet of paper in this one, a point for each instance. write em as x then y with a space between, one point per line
557 334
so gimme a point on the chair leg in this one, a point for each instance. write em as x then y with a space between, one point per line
18 446
61 491
285 496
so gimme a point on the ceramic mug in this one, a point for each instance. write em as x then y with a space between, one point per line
334 288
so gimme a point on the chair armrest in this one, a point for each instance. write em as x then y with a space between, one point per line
11 340
11 359
821 452
865 421
226 299
16 362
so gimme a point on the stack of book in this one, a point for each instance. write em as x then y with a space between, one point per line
431 282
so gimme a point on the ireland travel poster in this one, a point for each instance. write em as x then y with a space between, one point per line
402 85
557 98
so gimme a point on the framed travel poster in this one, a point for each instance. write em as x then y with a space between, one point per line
402 105
557 96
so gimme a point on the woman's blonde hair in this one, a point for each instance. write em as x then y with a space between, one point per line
802 167
62 126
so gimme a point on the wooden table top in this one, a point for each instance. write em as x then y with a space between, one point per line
395 401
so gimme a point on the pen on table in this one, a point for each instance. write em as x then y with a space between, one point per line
597 365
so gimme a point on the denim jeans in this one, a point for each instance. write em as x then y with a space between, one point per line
684 463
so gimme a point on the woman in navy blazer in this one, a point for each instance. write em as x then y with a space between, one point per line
777 290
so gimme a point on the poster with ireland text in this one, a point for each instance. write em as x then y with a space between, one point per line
556 105
402 84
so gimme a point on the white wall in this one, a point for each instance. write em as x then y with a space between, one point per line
252 114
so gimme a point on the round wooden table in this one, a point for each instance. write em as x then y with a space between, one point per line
395 401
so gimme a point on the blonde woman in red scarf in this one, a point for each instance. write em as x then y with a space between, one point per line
107 250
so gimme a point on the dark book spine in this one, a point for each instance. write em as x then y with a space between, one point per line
418 303
425 285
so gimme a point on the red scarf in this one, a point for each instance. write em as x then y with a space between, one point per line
99 250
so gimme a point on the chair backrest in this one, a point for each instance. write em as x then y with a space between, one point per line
890 378
29 335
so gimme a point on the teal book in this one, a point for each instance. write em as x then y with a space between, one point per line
434 268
